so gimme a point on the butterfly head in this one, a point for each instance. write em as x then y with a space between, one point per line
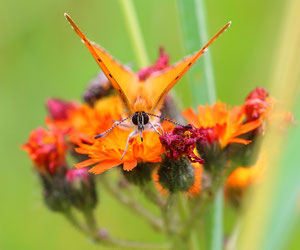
140 119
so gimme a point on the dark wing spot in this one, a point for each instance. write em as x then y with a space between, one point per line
176 77
190 64
110 75
99 60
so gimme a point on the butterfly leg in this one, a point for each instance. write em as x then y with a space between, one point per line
158 125
133 133
153 126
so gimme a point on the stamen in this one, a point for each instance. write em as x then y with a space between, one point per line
109 130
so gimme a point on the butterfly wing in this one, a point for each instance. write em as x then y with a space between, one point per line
121 78
160 84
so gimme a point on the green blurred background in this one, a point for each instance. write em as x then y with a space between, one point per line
41 57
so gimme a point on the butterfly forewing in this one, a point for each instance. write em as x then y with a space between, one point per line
159 85
138 95
122 79
126 79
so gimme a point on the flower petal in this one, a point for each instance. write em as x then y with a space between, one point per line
103 166
248 127
129 165
86 163
190 115
239 140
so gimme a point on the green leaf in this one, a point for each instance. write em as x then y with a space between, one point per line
200 76
202 84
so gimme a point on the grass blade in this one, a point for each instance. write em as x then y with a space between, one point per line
194 33
202 84
272 205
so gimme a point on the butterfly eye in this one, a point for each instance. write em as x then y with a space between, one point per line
146 118
135 118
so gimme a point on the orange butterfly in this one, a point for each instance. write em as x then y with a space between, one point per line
142 98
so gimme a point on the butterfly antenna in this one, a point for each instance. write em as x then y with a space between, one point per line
166 119
109 130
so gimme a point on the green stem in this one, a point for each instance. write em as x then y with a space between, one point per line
133 245
217 225
135 32
167 213
91 223
184 212
153 196
74 221
132 204
199 209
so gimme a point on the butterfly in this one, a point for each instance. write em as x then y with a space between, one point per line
142 98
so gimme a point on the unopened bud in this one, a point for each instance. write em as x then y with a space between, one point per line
55 193
81 188
98 87
59 109
210 150
176 175
141 174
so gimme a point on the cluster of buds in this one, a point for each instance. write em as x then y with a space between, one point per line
64 187
218 141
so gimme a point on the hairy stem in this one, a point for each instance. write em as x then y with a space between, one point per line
74 221
167 213
153 196
155 222
132 244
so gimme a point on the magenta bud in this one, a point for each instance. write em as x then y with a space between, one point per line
81 188
59 109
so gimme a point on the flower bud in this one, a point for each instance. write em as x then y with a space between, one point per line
176 175
257 104
141 174
81 188
245 155
55 193
161 63
98 87
59 109
210 149
47 150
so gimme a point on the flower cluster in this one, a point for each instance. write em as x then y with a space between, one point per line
219 141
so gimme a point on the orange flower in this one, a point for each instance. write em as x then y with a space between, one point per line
46 149
193 190
227 123
106 152
84 122
243 176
